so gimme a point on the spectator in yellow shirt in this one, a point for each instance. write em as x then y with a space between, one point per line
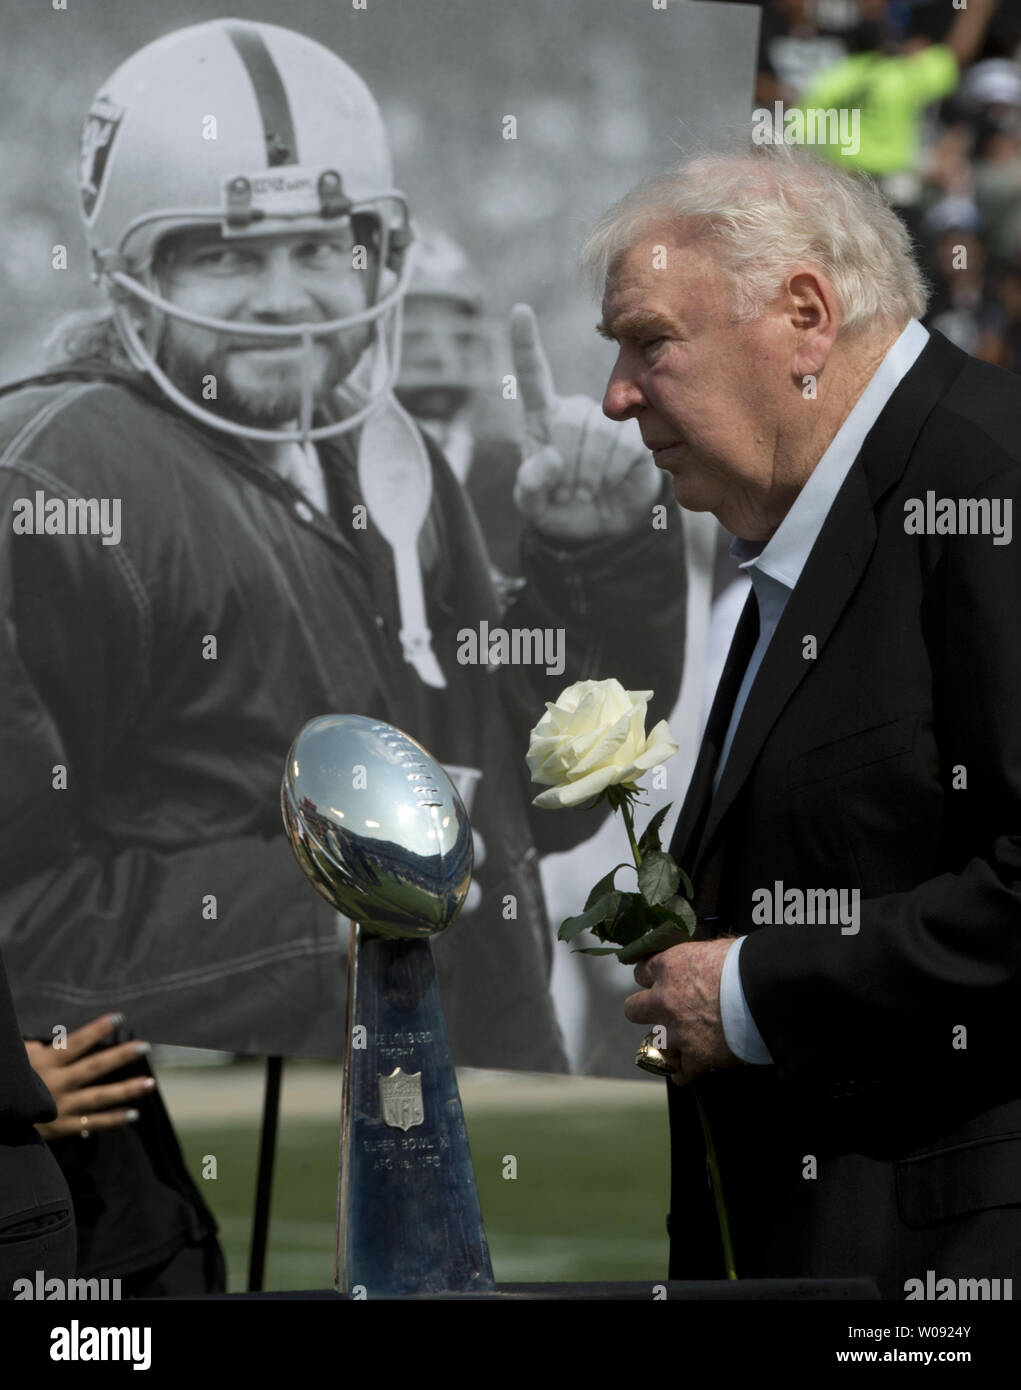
890 82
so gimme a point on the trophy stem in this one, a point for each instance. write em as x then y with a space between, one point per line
340 1269
409 1218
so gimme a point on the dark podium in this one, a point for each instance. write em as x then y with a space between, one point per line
636 1291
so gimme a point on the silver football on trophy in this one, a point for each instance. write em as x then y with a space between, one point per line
377 826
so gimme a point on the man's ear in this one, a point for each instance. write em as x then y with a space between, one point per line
814 315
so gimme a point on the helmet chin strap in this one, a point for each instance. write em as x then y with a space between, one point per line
384 352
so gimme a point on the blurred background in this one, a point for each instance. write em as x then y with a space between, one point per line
943 139
592 84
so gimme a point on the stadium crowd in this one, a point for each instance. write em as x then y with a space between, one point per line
937 85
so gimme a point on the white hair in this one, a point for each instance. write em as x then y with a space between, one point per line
764 210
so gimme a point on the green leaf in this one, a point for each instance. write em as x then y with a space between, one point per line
632 922
615 905
661 938
597 950
604 886
650 838
680 910
686 884
658 877
616 924
570 927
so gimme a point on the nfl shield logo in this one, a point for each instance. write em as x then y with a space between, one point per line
98 133
400 1099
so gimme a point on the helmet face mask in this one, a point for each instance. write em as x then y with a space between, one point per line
144 314
281 95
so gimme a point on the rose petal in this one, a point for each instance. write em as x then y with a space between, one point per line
592 737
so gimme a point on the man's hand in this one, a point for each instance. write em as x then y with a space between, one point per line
681 989
70 1077
583 476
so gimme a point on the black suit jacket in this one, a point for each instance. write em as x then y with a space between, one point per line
886 1139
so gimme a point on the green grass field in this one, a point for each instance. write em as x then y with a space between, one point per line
588 1201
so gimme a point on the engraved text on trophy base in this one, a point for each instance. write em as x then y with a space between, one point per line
394 1155
394 1047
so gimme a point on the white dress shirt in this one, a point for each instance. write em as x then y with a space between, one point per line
774 568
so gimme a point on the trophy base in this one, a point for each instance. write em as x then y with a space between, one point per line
410 1216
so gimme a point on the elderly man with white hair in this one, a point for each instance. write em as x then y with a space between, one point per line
847 1011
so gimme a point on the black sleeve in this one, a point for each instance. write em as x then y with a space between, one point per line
89 924
946 953
24 1098
622 604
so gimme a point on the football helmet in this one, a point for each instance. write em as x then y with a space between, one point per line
447 348
255 130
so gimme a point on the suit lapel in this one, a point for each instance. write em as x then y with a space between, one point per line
832 572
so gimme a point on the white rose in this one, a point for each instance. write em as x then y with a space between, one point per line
593 737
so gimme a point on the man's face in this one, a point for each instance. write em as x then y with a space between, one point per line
440 349
705 391
294 277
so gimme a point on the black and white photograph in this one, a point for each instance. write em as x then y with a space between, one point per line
511 774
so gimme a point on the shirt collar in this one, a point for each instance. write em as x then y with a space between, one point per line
783 556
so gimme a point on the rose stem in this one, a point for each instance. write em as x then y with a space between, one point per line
717 1184
629 825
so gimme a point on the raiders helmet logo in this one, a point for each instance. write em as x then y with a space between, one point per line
98 135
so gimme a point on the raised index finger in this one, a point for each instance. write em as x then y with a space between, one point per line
532 369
